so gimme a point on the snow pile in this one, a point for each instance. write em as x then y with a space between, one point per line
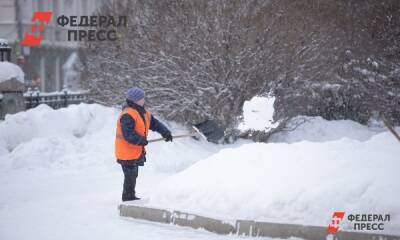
258 113
79 134
56 161
317 129
303 182
83 135
9 71
57 167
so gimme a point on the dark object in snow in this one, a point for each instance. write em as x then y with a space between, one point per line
213 132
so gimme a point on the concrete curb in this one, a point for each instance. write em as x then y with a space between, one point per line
195 221
243 227
150 214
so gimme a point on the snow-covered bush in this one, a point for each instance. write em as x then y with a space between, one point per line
204 59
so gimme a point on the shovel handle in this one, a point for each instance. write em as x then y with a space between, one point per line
177 136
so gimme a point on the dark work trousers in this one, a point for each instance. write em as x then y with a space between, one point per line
130 175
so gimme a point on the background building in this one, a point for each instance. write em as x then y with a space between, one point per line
55 63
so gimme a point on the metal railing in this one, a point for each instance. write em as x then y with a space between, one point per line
55 99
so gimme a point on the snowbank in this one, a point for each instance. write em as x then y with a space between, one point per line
83 135
59 178
10 70
342 166
300 183
258 115
317 129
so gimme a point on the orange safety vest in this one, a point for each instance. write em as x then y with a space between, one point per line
125 150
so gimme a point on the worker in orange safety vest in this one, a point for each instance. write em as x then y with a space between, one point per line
133 126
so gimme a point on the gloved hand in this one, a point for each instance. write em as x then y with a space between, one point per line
168 137
143 142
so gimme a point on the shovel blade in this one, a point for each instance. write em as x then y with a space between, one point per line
211 130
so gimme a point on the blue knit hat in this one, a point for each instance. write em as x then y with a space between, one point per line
135 94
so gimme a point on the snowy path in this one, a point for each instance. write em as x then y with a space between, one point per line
77 204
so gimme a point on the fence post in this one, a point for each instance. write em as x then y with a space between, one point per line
65 98
37 98
30 99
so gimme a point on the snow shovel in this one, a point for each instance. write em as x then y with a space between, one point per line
196 132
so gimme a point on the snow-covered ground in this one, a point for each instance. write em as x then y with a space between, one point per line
77 204
59 179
